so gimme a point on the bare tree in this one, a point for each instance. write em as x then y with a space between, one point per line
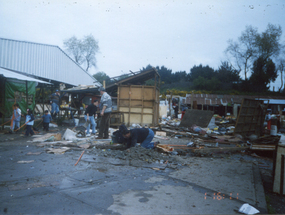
244 49
251 45
83 51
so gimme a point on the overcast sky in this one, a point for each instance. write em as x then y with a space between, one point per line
131 34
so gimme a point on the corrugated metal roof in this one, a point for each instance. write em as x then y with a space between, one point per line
44 61
9 74
214 99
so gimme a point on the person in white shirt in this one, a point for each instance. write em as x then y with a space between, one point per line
16 116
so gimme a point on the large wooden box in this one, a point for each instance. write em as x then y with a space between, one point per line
139 104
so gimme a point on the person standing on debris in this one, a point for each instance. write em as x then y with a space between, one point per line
54 103
46 120
16 116
90 115
277 114
29 122
268 120
144 136
175 108
105 112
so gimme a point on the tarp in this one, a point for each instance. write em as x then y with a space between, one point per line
15 92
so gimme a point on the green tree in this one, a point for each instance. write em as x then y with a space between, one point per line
202 83
199 83
263 72
102 76
227 75
203 71
165 74
82 51
178 76
268 42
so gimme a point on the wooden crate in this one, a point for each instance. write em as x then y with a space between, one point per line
139 104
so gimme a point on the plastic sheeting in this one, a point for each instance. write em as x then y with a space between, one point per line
15 92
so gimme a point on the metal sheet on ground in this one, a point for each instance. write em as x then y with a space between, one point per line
200 118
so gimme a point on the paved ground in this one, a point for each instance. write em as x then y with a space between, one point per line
101 184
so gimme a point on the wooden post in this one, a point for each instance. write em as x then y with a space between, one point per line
142 92
130 93
104 84
27 95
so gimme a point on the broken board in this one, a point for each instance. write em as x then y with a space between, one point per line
250 118
200 118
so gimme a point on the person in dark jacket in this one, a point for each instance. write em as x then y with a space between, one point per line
46 120
55 103
90 115
143 136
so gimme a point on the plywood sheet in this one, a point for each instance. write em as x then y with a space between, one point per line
196 117
147 119
250 118
136 93
139 104
124 92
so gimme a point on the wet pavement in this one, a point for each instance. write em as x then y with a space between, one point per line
105 184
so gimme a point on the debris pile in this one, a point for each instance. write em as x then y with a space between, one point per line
139 153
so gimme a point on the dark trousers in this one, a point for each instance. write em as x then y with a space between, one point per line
46 126
278 125
176 112
29 130
104 125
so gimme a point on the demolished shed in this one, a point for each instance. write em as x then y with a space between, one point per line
138 102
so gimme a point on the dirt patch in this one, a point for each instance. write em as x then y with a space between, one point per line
139 153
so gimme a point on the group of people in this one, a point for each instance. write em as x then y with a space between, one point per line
131 137
29 122
16 118
105 113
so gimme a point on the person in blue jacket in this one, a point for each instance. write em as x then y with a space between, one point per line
46 120
29 122
143 136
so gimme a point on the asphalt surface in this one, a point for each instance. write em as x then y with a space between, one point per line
100 184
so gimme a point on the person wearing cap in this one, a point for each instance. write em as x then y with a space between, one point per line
90 113
105 112
54 103
144 136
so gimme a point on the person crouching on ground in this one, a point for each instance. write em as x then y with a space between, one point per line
90 113
46 120
143 136
29 122
17 117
